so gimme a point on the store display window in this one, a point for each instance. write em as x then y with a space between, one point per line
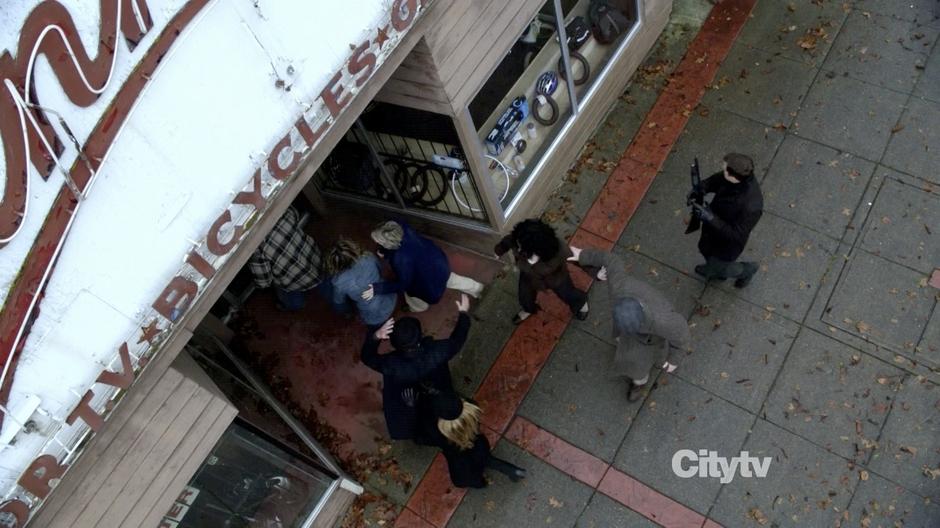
405 158
523 105
249 481
598 27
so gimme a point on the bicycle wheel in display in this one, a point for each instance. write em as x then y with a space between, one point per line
435 181
412 182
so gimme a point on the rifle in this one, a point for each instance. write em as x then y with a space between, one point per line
697 196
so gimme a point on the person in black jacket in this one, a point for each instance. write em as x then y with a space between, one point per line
415 360
728 219
447 421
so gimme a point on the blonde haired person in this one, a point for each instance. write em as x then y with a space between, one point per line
453 424
351 270
422 272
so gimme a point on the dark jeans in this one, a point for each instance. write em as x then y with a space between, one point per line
722 269
292 301
572 296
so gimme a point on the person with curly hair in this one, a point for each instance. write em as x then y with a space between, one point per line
541 258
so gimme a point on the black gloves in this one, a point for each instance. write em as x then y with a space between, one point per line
703 212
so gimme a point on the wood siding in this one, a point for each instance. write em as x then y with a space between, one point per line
151 455
415 84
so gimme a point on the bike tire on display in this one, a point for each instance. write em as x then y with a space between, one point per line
431 195
575 57
412 182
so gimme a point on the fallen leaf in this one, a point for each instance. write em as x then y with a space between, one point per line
897 128
555 502
757 515
863 475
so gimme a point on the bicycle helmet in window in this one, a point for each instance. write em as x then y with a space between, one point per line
547 83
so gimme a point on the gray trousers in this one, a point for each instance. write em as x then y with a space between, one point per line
722 269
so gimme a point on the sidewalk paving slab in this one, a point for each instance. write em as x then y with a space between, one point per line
901 312
849 115
833 395
792 261
546 497
929 81
760 85
929 346
914 147
678 415
604 512
576 398
881 503
680 289
805 485
908 443
491 325
738 349
880 50
920 10
815 186
778 29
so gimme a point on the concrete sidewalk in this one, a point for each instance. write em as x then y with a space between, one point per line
827 363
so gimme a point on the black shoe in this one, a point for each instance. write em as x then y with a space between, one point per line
634 392
517 474
750 269
581 315
702 271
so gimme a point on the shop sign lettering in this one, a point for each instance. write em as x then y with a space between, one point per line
223 236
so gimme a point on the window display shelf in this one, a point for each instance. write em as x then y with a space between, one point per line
597 55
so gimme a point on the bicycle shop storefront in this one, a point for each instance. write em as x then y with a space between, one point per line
478 125
460 115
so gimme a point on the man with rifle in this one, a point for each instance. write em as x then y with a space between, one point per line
727 220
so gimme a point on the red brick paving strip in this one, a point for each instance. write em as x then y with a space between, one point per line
647 502
509 379
569 459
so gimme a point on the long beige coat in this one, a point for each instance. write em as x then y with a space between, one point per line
666 330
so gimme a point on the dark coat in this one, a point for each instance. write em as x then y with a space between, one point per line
465 465
421 268
400 371
542 275
737 208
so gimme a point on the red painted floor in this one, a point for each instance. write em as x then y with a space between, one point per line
319 347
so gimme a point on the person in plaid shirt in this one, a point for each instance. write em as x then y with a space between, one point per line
289 260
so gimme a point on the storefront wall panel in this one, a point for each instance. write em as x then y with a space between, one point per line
149 456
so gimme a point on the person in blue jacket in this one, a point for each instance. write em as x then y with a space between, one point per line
422 272
350 271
